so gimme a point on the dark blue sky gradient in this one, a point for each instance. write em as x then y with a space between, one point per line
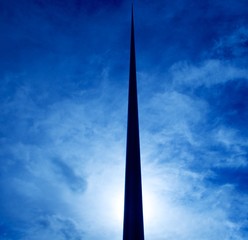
63 100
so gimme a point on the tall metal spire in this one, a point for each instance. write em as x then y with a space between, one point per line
133 228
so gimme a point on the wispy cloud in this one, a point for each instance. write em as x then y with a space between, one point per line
63 123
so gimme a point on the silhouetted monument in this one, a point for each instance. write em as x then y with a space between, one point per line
133 227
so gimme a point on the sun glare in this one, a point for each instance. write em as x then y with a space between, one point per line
149 207
118 207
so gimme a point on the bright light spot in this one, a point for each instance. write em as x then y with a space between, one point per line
150 207
118 206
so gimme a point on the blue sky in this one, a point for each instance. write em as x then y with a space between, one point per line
63 100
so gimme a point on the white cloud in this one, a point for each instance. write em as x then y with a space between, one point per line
207 73
233 45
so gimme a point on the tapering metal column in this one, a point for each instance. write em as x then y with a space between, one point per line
133 228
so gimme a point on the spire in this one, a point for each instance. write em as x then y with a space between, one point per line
133 228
